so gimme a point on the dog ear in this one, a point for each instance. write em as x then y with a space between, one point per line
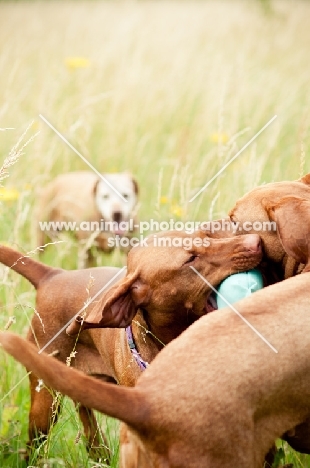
305 179
95 188
116 308
291 215
135 186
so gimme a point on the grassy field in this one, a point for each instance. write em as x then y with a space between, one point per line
168 90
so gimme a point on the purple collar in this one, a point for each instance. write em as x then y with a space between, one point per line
142 364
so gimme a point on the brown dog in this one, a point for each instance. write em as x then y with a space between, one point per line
281 203
287 204
60 295
85 200
159 287
217 396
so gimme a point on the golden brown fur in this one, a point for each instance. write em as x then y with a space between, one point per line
166 296
215 397
286 250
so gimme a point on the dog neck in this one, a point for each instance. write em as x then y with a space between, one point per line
147 343
161 328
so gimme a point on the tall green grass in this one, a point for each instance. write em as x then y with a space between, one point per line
169 91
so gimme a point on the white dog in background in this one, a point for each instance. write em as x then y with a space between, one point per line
84 199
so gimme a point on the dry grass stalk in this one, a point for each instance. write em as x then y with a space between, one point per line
15 153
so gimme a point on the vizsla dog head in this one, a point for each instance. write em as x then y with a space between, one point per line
270 211
286 241
160 281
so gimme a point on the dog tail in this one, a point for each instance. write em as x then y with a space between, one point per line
127 404
32 270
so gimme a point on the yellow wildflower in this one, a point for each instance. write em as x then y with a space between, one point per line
163 200
7 194
77 62
219 138
177 210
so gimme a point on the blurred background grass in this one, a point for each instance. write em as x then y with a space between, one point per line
168 90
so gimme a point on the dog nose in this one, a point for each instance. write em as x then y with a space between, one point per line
117 216
252 242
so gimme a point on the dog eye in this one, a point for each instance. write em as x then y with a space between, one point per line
105 196
191 259
125 195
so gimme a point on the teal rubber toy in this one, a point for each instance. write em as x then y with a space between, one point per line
238 286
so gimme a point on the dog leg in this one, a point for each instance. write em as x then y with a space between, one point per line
82 258
97 449
269 459
43 413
